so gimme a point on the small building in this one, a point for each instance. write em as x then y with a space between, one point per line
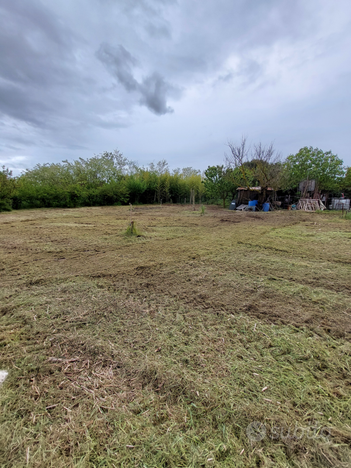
246 194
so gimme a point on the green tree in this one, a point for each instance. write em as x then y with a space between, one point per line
136 186
237 180
260 165
7 188
217 183
346 182
312 163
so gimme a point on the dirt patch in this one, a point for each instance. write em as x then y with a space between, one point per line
228 220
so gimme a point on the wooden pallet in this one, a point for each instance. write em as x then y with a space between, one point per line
242 207
308 204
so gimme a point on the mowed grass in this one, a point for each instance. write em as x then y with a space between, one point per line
161 350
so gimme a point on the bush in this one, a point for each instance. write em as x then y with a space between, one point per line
5 205
29 195
7 186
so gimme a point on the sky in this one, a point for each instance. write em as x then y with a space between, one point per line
172 79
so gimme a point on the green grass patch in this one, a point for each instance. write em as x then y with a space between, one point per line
132 230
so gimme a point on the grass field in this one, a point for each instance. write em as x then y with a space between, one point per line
220 340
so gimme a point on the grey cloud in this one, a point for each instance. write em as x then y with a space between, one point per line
47 78
216 30
36 62
236 59
250 68
226 77
248 72
120 62
33 16
34 44
158 31
149 7
15 103
154 90
146 14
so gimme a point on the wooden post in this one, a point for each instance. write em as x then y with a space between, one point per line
192 198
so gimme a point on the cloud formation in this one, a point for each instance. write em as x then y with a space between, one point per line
78 78
153 89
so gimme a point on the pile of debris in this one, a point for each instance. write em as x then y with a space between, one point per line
340 204
310 204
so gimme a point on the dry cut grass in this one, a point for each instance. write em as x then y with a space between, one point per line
160 351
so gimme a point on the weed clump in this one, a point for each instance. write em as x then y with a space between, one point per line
132 230
202 210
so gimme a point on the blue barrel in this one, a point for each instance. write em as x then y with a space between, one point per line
253 202
265 206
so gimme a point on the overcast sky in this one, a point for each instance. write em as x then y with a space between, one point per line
172 79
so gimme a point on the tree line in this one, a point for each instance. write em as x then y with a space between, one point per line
105 179
111 179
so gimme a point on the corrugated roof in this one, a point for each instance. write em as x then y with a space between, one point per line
258 189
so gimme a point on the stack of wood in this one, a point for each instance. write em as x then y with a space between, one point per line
309 204
243 207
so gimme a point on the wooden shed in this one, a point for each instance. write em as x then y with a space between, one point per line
246 194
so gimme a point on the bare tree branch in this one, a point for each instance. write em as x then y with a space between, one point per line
239 154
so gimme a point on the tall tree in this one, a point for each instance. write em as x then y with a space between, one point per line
261 163
7 187
346 182
313 163
217 183
238 159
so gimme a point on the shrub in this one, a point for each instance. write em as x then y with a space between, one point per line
5 205
132 230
